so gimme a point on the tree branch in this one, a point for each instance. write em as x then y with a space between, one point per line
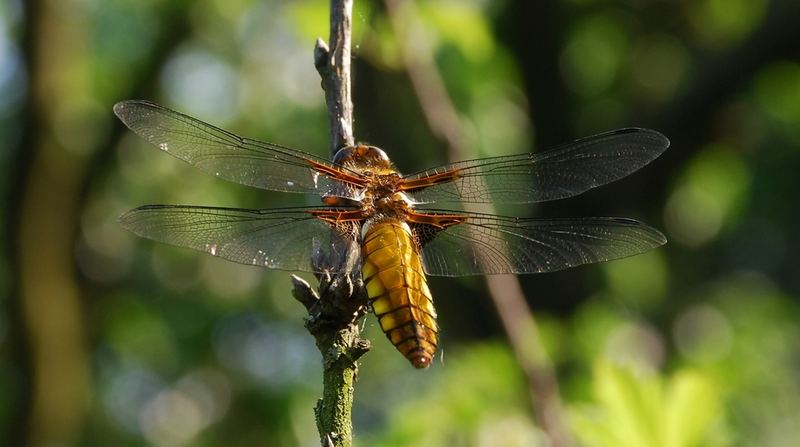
341 301
505 290
333 65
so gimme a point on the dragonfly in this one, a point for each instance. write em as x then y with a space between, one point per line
402 228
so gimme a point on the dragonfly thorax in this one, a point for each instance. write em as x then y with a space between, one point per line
380 202
396 201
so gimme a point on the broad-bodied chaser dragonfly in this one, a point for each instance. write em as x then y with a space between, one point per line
392 218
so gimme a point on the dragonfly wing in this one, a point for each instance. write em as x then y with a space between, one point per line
486 244
227 155
562 172
281 239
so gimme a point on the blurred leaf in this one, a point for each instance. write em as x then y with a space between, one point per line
499 114
693 405
475 392
659 63
461 24
640 281
777 90
703 333
596 48
723 22
381 46
310 20
591 325
709 195
135 331
639 408
760 370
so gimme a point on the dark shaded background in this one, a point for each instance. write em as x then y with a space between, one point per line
110 340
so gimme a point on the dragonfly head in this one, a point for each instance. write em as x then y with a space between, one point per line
363 157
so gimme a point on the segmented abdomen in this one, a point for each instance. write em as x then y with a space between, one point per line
398 290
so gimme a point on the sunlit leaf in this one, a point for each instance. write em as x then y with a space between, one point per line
692 406
640 408
475 392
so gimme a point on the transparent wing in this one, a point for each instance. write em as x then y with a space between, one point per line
226 155
486 244
562 172
281 239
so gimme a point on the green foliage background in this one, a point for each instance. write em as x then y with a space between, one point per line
694 344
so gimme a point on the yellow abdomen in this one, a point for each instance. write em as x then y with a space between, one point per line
398 290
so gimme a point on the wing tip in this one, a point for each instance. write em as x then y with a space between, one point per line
656 135
656 237
127 216
126 219
120 108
